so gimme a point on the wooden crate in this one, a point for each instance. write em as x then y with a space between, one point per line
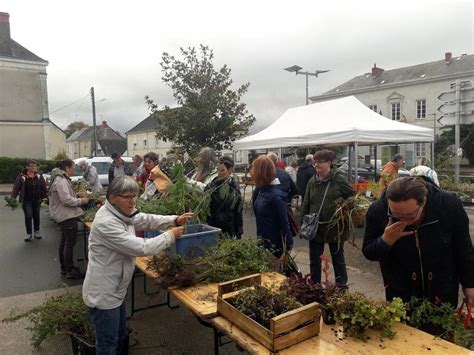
285 330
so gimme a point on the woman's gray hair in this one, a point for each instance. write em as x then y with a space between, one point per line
82 162
122 185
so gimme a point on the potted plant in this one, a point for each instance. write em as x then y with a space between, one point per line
63 314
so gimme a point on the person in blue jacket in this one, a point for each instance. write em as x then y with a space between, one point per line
269 206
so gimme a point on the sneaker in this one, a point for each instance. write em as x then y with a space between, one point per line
38 235
28 237
75 274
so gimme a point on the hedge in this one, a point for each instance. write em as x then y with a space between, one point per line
11 167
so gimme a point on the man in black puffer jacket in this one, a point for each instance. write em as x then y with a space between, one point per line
305 172
420 236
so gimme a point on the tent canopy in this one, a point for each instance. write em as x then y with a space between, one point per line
340 121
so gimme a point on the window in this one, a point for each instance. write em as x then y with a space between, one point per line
421 108
420 149
373 107
396 111
144 143
238 156
157 142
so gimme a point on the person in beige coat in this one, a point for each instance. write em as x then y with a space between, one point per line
64 208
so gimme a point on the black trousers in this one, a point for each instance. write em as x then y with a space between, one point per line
31 209
66 246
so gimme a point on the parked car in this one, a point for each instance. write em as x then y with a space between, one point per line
367 172
102 165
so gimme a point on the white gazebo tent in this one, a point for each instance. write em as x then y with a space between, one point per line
335 122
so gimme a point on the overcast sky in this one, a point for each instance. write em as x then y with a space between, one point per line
116 47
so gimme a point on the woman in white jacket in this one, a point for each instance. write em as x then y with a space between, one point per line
113 247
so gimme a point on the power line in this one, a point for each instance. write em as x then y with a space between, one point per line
75 102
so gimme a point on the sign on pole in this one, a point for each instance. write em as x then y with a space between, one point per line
448 107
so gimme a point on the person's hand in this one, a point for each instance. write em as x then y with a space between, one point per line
469 293
184 218
394 231
177 232
84 200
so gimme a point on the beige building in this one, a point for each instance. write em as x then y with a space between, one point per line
142 139
80 143
25 127
408 94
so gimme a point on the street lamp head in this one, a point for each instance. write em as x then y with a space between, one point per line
320 72
294 68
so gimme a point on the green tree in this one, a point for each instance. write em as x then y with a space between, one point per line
73 127
467 141
210 112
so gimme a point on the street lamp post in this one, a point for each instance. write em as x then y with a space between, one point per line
297 70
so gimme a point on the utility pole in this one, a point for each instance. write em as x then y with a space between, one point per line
434 141
94 143
457 131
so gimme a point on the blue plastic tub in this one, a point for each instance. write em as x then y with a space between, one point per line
151 234
195 241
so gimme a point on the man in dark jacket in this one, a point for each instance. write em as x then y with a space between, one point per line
420 236
305 173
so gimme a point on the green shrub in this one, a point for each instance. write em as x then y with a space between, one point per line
11 167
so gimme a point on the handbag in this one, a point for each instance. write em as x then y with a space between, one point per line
310 225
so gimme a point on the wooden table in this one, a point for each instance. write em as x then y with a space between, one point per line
407 341
201 300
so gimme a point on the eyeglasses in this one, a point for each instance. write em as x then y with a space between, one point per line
409 216
128 197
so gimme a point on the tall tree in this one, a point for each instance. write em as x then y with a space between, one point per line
210 112
75 126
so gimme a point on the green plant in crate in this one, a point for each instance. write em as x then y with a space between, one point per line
262 304
63 314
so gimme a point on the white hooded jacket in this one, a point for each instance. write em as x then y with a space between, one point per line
113 247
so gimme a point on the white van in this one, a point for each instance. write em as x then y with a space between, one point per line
102 164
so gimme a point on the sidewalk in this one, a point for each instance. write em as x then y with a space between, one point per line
6 189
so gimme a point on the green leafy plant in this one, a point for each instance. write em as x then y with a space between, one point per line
11 202
180 197
230 259
350 212
356 314
441 320
89 214
63 314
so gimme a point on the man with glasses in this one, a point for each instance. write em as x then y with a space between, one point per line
420 235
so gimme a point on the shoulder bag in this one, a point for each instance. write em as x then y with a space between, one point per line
310 225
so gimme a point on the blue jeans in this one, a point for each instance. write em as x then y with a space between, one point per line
31 210
338 261
110 326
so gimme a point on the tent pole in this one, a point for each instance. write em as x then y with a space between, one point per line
375 162
356 163
349 164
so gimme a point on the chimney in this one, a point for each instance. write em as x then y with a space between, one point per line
447 57
5 34
376 71
104 124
